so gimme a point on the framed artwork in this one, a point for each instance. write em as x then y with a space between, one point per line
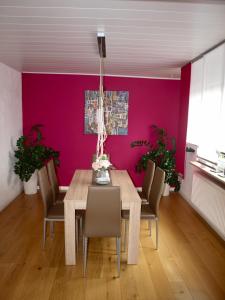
115 112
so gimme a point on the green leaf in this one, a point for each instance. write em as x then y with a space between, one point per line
162 152
32 155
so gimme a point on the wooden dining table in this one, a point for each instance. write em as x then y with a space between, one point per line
76 198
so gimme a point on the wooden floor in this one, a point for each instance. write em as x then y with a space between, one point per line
190 262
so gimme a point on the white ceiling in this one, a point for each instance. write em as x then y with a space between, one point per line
143 38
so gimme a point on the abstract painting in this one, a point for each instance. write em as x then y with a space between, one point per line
115 112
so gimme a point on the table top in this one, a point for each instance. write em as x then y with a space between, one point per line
78 189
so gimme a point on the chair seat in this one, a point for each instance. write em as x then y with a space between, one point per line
125 214
60 196
143 197
146 212
151 210
141 194
56 211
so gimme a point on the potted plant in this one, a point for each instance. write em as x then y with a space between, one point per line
162 151
31 155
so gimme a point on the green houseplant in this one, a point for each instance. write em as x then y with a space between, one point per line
162 151
31 155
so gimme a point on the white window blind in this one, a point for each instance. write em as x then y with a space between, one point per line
195 100
206 118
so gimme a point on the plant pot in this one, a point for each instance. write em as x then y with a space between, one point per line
166 190
30 187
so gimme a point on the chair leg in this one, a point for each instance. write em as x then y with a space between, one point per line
52 229
44 233
85 243
76 233
81 227
118 255
149 226
125 235
157 233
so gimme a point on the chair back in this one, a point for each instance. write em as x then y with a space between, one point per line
156 190
53 179
146 187
45 188
103 212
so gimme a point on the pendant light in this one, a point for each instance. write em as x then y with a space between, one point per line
101 129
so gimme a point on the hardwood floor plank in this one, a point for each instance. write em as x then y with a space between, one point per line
190 262
9 279
36 283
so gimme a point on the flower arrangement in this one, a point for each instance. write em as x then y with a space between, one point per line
101 163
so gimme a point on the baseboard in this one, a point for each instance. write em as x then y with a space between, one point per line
184 197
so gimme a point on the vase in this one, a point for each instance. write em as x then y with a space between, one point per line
30 186
102 177
166 190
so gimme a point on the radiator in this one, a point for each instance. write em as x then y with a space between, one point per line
208 199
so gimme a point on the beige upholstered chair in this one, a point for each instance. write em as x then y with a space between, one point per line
103 217
57 195
151 210
147 183
52 211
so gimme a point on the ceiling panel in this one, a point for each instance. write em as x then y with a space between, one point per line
143 38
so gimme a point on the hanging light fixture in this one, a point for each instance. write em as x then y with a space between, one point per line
101 163
101 129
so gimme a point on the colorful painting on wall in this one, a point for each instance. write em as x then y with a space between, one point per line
115 110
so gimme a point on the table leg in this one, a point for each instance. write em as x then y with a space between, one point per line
134 232
70 241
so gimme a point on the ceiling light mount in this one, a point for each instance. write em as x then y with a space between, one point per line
101 44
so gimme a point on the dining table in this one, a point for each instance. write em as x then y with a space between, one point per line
76 199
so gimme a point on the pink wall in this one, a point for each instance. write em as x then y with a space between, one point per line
57 102
183 115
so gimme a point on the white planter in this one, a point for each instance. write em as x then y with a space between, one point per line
30 187
166 190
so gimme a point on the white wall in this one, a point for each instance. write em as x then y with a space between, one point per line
186 184
10 130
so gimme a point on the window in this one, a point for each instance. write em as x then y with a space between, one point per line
206 116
